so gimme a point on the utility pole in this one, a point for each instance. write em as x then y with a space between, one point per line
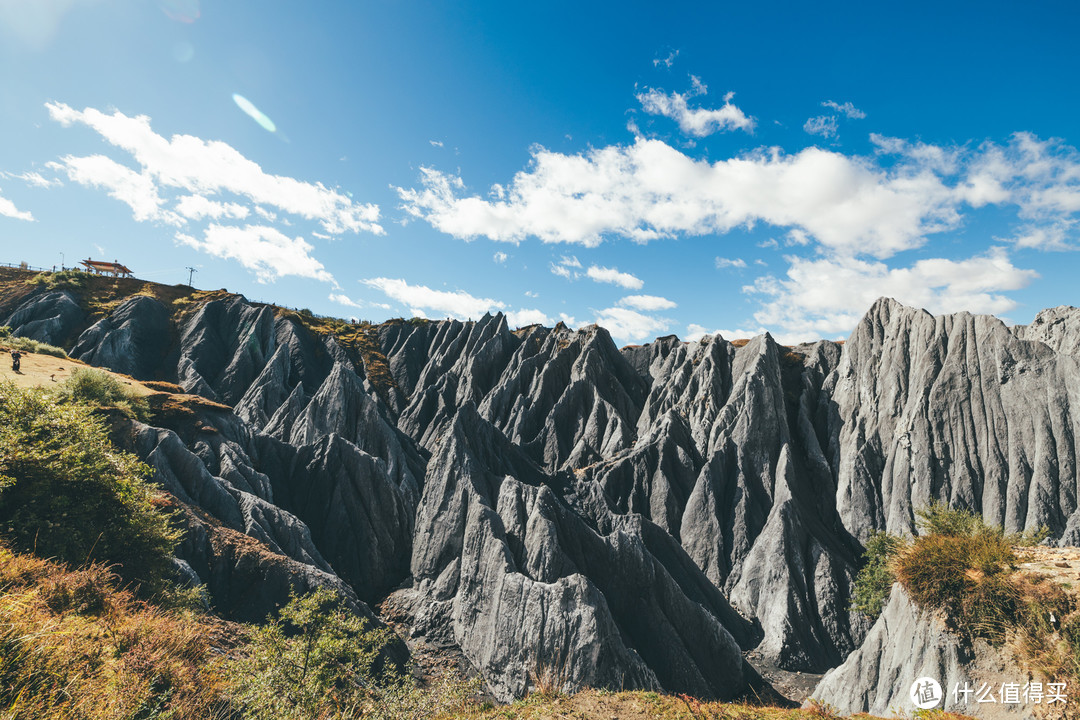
191 271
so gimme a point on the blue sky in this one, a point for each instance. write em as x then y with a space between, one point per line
681 169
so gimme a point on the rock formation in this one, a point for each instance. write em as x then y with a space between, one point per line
547 502
906 644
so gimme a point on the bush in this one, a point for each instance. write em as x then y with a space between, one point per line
72 279
317 659
962 566
73 645
66 492
875 579
33 346
94 387
940 519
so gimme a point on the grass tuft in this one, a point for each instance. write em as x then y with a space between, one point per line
95 387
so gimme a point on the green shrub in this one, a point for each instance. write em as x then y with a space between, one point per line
875 579
66 492
70 279
317 659
940 519
962 566
5 332
94 387
33 346
1030 537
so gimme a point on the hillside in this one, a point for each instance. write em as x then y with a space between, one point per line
671 517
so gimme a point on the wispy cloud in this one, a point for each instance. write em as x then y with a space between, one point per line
521 318
568 267
613 276
201 167
197 207
342 299
824 125
723 262
33 179
695 332
8 209
696 121
648 303
500 257
667 61
826 296
423 301
266 251
136 190
847 109
626 325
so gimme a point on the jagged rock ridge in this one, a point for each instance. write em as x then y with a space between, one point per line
541 496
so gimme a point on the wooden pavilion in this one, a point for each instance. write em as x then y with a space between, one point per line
101 267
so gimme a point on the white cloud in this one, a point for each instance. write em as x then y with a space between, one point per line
530 293
649 190
826 296
613 276
567 267
1054 237
33 179
722 262
500 257
436 143
627 325
8 209
932 157
698 122
823 125
421 299
695 332
342 299
266 251
206 168
666 61
523 317
649 303
197 207
136 190
570 320
847 109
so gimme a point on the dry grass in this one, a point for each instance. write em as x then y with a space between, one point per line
360 341
73 645
967 576
639 705
970 571
165 387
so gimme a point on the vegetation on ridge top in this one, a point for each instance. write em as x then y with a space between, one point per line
968 570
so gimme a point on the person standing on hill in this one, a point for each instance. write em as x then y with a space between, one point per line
16 360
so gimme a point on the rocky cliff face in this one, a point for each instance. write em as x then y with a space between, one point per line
547 502
957 408
906 644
